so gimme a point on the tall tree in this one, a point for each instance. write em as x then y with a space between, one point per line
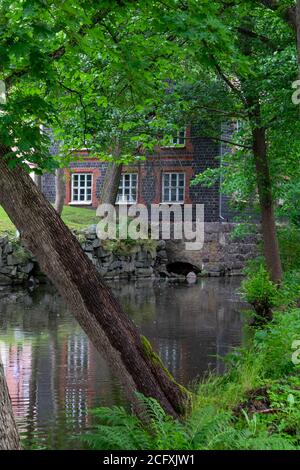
252 64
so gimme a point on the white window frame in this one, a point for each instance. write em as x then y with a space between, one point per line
170 187
175 140
86 200
122 186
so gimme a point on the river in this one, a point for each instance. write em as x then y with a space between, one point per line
55 375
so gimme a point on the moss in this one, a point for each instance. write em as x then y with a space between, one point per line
129 247
19 252
156 360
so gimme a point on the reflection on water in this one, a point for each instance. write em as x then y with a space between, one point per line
55 375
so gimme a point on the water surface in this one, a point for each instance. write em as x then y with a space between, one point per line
55 375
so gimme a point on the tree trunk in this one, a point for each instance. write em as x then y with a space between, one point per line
270 240
9 436
60 190
110 185
62 259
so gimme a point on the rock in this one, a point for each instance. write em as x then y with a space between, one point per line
12 260
161 245
8 248
162 254
96 243
191 277
27 268
88 247
144 272
4 280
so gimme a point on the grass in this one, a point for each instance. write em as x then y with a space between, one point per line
254 406
75 218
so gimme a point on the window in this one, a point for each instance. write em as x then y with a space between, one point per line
179 138
173 187
127 188
82 188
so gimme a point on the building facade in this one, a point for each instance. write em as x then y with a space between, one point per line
162 178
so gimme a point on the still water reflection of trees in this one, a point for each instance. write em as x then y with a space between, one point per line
55 375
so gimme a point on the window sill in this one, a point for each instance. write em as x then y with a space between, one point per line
80 203
121 203
175 203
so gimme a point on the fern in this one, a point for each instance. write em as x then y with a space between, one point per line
206 429
218 421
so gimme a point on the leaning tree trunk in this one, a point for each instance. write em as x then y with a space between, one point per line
100 315
60 190
270 240
9 437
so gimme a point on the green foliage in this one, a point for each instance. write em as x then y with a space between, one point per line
289 240
243 230
289 208
19 251
274 344
260 292
123 244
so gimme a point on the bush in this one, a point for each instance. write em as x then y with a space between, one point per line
261 293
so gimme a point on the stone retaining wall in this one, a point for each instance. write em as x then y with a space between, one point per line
219 256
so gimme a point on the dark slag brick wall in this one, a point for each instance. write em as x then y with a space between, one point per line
205 154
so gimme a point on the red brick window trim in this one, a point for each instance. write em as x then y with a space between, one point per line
89 189
81 188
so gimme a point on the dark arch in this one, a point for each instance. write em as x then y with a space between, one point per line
182 268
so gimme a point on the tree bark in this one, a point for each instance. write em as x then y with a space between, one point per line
110 186
100 315
9 436
270 240
60 190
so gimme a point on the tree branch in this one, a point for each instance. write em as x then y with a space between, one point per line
60 51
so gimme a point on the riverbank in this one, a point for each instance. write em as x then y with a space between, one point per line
254 406
221 255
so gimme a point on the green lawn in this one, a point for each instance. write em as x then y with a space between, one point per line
74 217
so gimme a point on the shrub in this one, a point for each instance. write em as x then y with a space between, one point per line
261 293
